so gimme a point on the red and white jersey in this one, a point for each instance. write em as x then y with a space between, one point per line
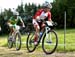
42 14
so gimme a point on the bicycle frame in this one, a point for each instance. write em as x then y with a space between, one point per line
46 30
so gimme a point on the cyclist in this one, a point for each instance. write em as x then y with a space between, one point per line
12 22
44 14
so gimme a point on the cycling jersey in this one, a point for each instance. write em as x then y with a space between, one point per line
42 14
14 20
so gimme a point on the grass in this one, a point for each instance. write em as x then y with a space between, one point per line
70 40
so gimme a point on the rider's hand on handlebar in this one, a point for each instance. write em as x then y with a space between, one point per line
23 26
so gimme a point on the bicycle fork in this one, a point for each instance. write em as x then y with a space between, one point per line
48 35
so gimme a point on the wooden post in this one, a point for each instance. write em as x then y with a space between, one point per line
64 30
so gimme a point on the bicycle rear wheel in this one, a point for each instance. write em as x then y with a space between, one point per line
30 42
49 42
18 41
10 42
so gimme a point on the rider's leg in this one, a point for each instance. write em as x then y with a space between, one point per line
11 28
37 28
13 33
42 27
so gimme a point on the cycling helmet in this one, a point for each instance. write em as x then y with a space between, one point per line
15 13
47 5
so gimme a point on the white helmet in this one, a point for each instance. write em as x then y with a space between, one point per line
48 5
15 13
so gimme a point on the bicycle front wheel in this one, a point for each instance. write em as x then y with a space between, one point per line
49 42
30 42
18 41
10 42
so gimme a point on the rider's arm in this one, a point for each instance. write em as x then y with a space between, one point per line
49 16
21 21
37 14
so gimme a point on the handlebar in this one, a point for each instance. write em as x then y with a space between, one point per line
53 23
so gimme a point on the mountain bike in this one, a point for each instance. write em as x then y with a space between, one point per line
15 38
49 39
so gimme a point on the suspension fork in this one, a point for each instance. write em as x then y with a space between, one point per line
48 36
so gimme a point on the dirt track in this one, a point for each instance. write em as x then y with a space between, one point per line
5 52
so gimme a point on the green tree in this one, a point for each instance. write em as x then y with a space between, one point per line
59 6
20 9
